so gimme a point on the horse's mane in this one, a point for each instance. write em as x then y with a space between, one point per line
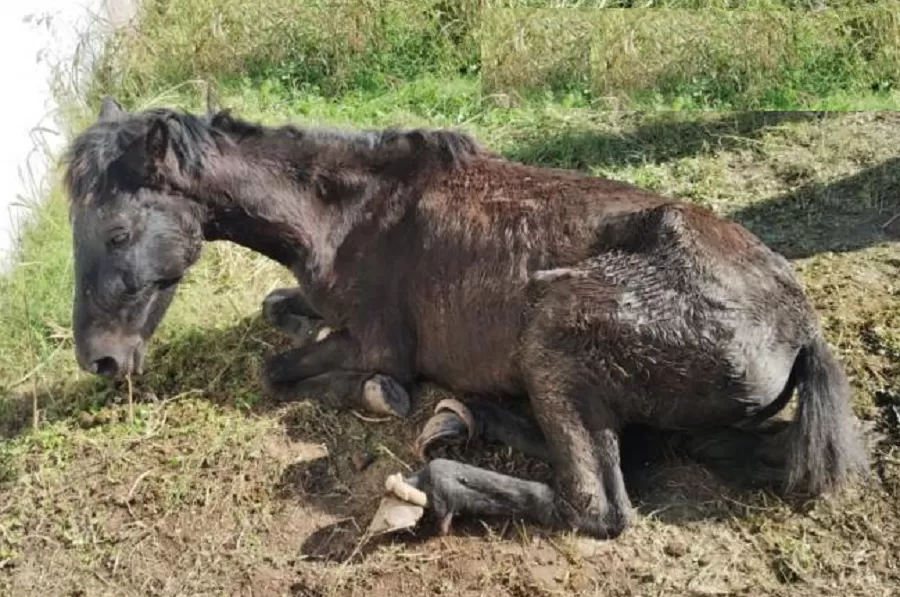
95 158
449 147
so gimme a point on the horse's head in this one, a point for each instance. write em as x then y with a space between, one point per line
134 235
148 187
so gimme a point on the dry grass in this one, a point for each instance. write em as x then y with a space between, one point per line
213 491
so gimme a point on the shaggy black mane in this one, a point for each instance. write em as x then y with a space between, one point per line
448 146
95 158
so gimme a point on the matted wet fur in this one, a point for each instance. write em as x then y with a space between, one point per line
432 259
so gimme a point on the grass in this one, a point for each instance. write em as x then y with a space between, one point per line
655 55
688 59
210 489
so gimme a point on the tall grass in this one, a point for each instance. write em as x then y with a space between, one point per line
652 54
320 46
714 58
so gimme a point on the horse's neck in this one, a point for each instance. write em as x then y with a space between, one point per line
260 203
253 232
273 217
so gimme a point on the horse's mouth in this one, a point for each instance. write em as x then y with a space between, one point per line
132 364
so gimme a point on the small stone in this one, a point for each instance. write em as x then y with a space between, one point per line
676 548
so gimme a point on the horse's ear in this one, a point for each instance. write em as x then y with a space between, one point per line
145 156
110 109
157 143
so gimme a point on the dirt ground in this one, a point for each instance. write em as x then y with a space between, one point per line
212 491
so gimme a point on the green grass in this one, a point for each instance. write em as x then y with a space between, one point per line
208 455
656 55
320 47
696 59
212 489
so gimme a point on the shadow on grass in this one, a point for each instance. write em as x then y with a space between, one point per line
847 215
660 138
220 364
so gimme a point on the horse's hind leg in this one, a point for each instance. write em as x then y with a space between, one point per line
452 488
583 447
288 310
589 494
582 438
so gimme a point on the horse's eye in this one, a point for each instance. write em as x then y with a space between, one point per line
118 239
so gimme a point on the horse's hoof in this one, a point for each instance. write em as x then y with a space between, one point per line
384 396
451 420
274 306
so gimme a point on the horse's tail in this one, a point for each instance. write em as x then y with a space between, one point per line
824 448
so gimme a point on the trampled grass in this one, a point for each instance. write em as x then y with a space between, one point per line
213 490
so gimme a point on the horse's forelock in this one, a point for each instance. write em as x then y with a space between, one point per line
91 157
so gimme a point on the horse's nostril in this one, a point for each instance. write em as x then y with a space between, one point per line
106 366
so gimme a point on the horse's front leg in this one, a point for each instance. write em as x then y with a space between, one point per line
291 312
330 371
341 390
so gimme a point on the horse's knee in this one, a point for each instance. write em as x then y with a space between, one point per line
603 517
595 501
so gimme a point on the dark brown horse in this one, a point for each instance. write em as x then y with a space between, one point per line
432 259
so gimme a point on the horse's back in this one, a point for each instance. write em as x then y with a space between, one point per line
676 296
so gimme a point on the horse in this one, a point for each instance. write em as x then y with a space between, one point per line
428 257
